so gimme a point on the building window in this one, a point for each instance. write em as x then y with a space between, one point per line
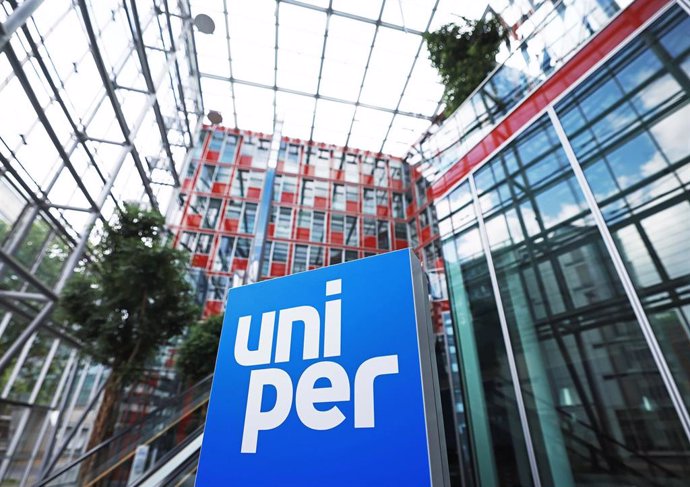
239 184
205 180
396 170
337 224
420 187
400 231
211 218
307 196
369 206
218 285
233 210
338 202
316 254
248 218
229 149
280 252
203 245
351 168
299 259
223 259
352 195
291 158
317 230
281 217
383 236
351 233
304 219
380 176
242 248
263 150
398 206
382 198
335 256
187 241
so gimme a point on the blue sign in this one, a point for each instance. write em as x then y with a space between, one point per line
327 379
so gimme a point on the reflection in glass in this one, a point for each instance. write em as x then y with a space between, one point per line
596 404
639 172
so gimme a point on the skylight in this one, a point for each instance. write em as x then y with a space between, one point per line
348 72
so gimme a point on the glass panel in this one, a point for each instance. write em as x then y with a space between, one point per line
639 172
338 202
598 410
205 178
383 238
299 260
249 218
223 259
369 202
212 213
492 409
351 233
317 231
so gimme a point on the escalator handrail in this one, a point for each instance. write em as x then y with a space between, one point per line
167 457
124 431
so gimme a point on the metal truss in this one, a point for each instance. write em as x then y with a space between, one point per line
275 88
46 219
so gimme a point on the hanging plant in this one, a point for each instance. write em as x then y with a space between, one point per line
464 55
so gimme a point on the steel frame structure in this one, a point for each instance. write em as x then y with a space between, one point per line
51 213
330 12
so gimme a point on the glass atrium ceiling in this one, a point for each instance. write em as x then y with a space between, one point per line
353 73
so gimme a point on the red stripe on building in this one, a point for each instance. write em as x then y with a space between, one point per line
566 76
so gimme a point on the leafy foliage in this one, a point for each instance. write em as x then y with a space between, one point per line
197 352
464 55
135 296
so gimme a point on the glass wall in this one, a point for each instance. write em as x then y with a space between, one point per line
556 361
629 127
87 121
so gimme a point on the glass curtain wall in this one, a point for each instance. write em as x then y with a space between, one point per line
556 356
99 103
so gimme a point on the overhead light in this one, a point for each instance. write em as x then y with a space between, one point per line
215 117
205 24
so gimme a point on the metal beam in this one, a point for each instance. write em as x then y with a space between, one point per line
256 253
275 66
409 75
117 108
227 39
312 95
180 88
50 131
16 20
359 18
138 37
364 76
26 275
77 252
22 295
321 62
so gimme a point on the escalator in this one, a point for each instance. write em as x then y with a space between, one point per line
160 449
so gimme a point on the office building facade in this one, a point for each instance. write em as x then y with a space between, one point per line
327 205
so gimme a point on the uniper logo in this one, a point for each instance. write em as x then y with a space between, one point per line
306 395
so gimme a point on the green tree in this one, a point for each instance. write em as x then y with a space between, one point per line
464 55
131 300
197 352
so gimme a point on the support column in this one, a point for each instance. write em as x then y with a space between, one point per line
263 213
